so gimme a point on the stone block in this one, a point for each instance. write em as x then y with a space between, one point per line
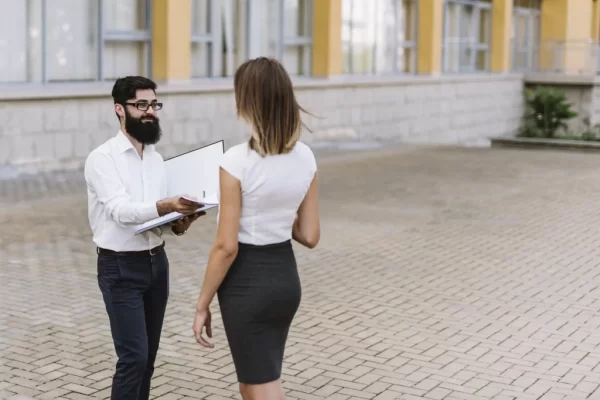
11 119
82 142
23 147
64 146
204 107
52 115
178 132
6 149
225 105
90 113
71 116
369 114
44 146
199 131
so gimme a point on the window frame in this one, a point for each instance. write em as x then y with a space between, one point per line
215 40
471 43
301 43
397 44
530 49
104 36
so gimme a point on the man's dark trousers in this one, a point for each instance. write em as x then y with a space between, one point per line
135 288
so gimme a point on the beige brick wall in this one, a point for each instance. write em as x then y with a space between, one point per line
59 127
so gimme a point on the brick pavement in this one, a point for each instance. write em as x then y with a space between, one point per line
451 274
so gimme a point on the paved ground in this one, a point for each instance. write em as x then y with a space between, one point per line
442 274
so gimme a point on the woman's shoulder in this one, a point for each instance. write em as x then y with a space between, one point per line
238 149
234 159
304 150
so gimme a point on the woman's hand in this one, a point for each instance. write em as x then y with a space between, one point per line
201 320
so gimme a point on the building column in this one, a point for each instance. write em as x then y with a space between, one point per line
596 20
431 25
502 19
171 40
327 38
565 36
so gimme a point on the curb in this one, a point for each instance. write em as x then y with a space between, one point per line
546 144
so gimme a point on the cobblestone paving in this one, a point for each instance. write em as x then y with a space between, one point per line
450 274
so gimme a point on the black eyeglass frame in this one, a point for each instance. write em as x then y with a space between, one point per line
146 106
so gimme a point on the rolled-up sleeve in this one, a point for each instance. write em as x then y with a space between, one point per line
103 178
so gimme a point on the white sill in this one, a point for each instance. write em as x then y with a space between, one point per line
213 85
562 79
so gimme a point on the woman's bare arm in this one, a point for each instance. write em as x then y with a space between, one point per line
225 248
307 228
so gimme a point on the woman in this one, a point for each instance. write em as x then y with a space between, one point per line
268 196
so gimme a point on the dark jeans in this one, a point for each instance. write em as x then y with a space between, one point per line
135 289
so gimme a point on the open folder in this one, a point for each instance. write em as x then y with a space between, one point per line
196 174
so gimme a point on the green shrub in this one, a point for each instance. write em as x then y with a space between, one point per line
547 110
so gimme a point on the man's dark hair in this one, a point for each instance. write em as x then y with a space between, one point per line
125 88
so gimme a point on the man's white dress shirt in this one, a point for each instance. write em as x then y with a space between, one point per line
122 192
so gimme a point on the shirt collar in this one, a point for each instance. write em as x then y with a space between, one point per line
124 144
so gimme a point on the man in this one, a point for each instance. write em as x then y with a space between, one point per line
126 181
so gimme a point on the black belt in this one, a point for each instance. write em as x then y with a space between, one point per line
151 252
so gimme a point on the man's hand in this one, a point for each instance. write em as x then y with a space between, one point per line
177 204
183 224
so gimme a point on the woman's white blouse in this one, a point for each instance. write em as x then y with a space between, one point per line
273 187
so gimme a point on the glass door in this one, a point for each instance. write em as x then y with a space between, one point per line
525 38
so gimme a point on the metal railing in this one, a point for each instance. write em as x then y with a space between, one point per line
574 57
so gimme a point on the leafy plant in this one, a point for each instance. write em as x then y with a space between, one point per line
547 110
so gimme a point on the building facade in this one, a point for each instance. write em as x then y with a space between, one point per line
428 71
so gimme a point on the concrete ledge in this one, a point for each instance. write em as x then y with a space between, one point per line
550 78
545 144
215 85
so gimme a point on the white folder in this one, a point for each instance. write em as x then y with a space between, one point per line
195 173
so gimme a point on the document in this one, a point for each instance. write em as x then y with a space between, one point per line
196 174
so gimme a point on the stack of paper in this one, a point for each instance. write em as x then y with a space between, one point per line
207 204
195 173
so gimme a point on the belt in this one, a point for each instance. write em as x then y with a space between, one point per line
152 252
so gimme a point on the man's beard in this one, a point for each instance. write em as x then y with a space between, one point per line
146 133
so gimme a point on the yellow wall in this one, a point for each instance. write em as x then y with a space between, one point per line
596 20
171 40
429 50
565 29
502 20
327 38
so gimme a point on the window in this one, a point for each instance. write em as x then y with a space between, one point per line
73 40
225 33
379 36
126 36
214 54
467 35
525 35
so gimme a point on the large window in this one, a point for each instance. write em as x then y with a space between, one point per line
73 40
379 36
467 35
225 33
525 35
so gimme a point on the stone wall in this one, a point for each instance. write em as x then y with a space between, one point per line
59 126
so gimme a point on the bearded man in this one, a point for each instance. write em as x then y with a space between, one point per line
126 186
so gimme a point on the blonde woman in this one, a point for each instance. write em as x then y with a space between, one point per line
268 196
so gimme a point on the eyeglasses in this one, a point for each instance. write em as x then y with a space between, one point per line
146 106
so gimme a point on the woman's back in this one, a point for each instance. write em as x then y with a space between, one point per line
273 187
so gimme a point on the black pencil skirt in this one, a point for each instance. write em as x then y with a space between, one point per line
258 300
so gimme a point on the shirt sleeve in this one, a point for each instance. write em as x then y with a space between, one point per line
102 177
310 159
233 162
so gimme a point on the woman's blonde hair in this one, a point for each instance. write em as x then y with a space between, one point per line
265 99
